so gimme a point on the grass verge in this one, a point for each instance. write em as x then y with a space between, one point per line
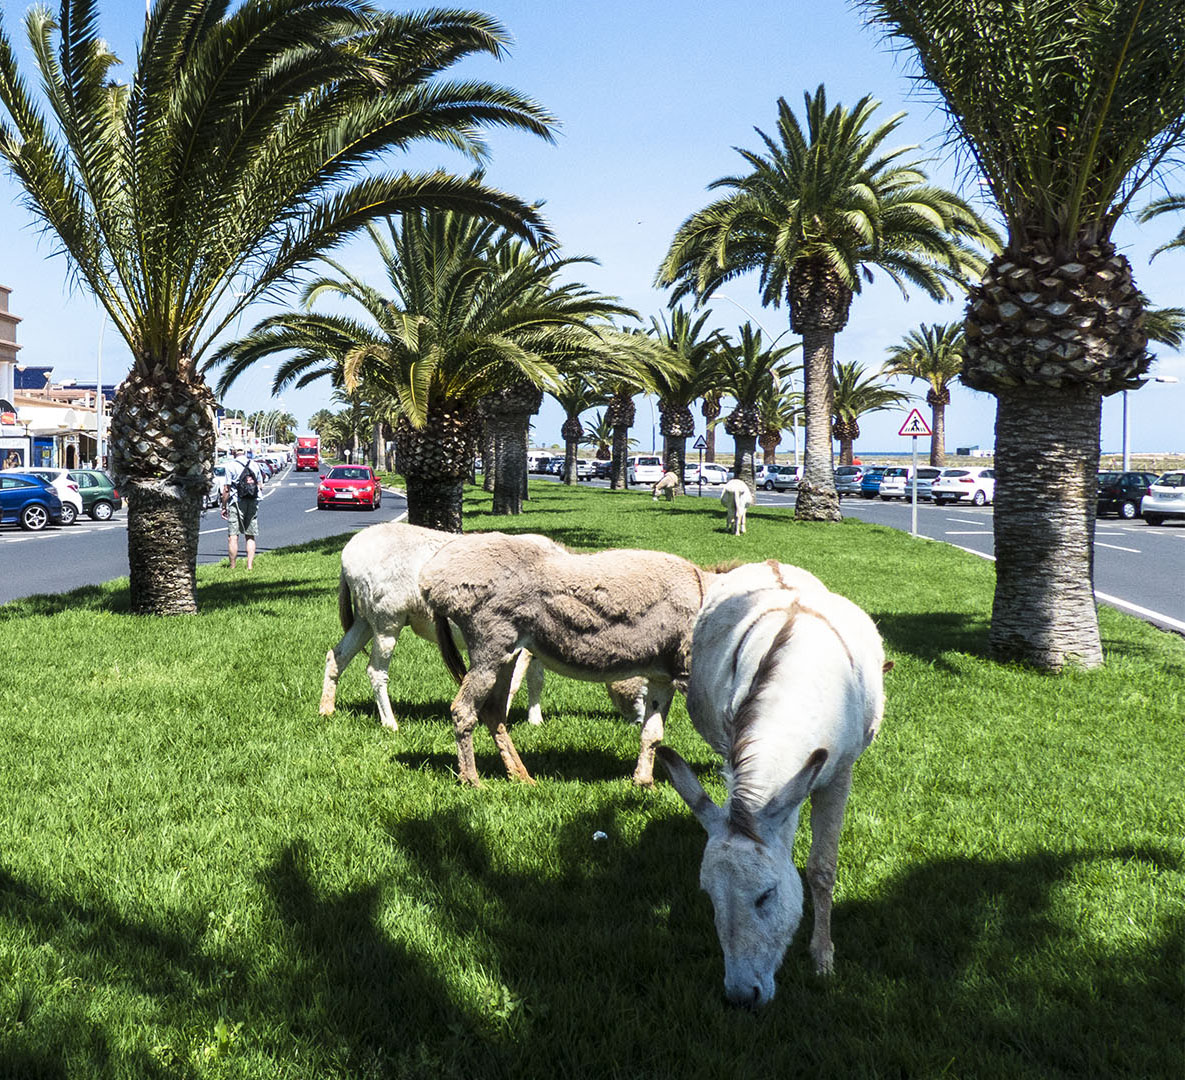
201 878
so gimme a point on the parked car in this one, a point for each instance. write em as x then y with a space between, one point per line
644 469
214 491
584 469
602 469
555 467
100 496
897 482
66 488
1122 492
870 482
711 472
973 485
1165 499
848 479
777 477
29 501
350 485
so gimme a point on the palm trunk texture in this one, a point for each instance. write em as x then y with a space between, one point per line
1044 609
938 438
744 461
435 503
510 435
617 474
817 498
163 525
489 458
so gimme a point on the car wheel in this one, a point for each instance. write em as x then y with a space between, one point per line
1154 519
768 485
1129 510
69 514
102 510
34 518
980 499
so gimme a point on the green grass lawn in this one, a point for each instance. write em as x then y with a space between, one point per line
199 877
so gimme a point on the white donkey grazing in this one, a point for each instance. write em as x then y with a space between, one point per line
378 595
667 486
737 499
600 617
787 685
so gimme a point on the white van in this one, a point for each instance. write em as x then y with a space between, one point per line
644 469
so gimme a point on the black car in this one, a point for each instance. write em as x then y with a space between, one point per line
1120 492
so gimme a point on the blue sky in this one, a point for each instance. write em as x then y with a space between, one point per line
651 101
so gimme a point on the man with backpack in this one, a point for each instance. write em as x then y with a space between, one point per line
240 504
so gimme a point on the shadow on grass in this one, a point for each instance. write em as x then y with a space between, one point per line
931 635
970 966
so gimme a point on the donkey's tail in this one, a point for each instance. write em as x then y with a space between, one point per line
345 605
449 652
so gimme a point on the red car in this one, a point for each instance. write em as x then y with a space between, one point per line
350 485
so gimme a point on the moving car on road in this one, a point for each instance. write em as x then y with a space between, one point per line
32 502
974 485
1165 499
350 485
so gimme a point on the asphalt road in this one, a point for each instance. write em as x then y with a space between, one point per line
1138 568
90 552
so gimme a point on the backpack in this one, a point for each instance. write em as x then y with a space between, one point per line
247 485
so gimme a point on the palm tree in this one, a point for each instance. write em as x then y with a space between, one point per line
641 362
470 312
577 394
244 144
858 392
600 434
935 355
748 370
1067 119
684 339
777 411
814 216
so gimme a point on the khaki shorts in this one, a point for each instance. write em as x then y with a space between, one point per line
242 516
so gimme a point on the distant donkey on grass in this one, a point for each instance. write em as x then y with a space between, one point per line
599 617
787 686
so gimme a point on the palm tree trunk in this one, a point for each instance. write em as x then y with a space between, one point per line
845 451
510 470
817 498
743 465
1044 609
676 459
569 474
489 457
621 442
435 503
938 438
710 448
163 524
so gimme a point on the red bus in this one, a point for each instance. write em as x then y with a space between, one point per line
308 453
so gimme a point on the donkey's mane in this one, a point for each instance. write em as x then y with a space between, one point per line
740 728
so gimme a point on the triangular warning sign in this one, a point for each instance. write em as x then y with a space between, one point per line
700 444
914 425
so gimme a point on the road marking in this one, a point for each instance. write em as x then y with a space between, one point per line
965 521
1116 547
1176 624
310 509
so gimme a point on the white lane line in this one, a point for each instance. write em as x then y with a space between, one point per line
311 510
1116 547
1176 624
965 521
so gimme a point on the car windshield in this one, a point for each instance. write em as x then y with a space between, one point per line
955 472
1108 477
896 472
1172 479
847 470
649 461
348 472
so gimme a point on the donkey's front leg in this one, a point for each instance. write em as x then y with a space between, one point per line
493 712
827 807
337 660
658 702
476 688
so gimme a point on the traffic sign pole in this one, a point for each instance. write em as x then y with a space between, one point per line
913 527
915 425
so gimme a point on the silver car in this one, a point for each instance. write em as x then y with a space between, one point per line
1165 499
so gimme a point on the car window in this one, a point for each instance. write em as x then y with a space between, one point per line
928 474
895 472
349 472
15 482
1172 479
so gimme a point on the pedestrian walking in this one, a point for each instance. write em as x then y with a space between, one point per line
240 504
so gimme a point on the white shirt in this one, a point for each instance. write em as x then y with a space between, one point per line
234 469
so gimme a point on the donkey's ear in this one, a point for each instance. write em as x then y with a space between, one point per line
796 789
684 781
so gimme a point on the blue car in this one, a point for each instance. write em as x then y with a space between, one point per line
28 501
870 482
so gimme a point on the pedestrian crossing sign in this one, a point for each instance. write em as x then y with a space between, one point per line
914 425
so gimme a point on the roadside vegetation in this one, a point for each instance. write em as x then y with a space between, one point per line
199 877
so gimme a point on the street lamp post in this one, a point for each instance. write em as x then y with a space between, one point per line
100 442
1126 422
